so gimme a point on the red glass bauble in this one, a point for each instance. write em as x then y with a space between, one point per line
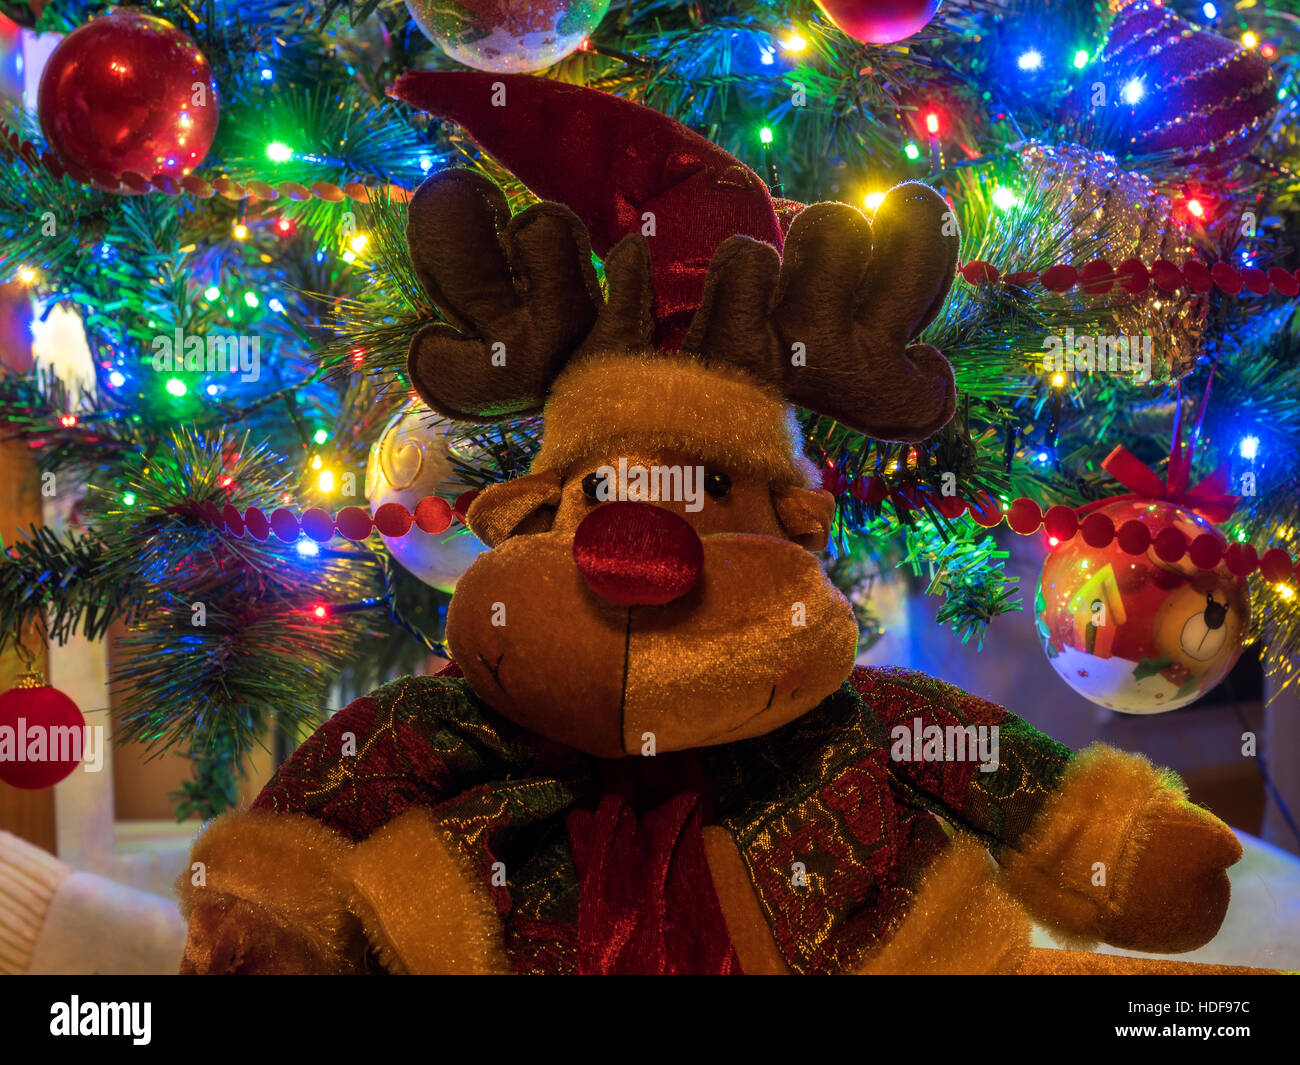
879 21
128 92
1136 633
41 736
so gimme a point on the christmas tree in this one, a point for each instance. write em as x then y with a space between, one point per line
265 508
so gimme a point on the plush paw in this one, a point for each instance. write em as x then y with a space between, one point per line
229 935
1175 895
1119 854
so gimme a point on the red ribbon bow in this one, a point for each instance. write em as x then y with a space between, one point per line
1210 498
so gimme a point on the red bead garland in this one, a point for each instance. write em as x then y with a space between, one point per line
1061 523
1024 516
1170 545
1134 538
1097 530
432 515
1098 277
1276 565
1206 551
435 515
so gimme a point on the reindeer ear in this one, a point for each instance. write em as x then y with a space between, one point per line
806 515
523 505
519 294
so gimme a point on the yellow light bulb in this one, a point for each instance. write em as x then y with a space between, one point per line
1058 380
26 275
358 242
326 481
240 231
1249 39
316 462
874 200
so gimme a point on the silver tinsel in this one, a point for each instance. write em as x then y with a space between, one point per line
1121 215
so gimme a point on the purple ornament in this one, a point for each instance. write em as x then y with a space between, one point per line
1186 90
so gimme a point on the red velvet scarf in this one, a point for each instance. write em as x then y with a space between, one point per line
646 901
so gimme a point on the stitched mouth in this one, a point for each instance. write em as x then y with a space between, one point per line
622 692
752 717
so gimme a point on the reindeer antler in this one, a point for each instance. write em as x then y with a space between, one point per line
520 295
831 324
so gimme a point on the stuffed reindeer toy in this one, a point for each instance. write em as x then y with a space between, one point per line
654 752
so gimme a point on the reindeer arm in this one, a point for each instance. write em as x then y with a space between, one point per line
1098 845
287 886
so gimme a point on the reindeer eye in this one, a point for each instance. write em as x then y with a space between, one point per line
591 485
717 484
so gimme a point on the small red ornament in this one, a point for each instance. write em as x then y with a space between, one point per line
879 21
1137 633
128 93
41 734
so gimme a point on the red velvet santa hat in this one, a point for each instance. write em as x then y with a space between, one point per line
613 163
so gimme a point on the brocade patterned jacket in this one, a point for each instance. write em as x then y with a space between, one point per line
418 830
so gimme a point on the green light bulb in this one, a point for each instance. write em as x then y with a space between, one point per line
1004 199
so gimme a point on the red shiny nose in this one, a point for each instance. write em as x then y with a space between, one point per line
635 554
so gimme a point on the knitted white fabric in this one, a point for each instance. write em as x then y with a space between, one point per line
29 880
59 921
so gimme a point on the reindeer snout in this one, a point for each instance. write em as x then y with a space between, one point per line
635 554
